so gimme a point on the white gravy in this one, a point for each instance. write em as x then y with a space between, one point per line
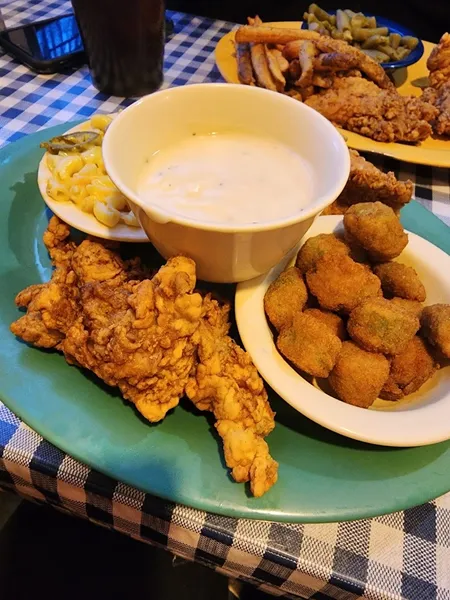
230 178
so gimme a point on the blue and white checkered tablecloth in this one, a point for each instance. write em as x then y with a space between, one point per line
400 556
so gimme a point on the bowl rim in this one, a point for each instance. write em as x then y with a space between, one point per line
413 57
156 214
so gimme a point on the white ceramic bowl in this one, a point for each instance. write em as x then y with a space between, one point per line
224 252
419 419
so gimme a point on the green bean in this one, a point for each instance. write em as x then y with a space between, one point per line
349 13
393 56
376 55
394 40
318 27
409 42
342 20
360 34
337 35
320 13
402 52
374 41
371 22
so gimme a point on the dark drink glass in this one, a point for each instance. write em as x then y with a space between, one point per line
124 42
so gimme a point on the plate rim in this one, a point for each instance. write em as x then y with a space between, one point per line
370 426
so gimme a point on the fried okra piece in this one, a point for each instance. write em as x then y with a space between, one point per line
358 376
435 321
285 297
401 281
409 370
377 325
331 320
376 228
340 284
411 306
316 247
310 345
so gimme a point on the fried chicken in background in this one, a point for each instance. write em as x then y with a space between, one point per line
226 382
439 93
367 183
359 105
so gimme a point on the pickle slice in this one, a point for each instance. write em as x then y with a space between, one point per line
70 141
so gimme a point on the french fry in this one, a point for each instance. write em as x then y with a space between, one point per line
272 35
274 68
282 62
261 67
244 61
292 50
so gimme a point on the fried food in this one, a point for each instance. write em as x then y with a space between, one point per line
401 281
261 67
359 105
378 325
440 98
438 63
435 322
306 56
318 246
244 61
376 228
412 306
153 338
285 297
340 284
367 183
336 61
225 382
332 321
410 369
310 345
273 60
358 376
272 35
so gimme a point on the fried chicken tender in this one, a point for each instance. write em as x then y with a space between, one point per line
401 281
51 307
318 246
359 105
310 345
438 62
367 183
377 325
358 376
285 297
226 382
435 322
340 284
331 320
439 93
409 370
376 228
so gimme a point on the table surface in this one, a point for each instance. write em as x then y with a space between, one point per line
405 555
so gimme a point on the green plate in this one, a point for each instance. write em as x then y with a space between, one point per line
322 477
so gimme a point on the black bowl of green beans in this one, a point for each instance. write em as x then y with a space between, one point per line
387 42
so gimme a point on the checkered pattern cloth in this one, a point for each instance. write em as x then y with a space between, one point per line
405 555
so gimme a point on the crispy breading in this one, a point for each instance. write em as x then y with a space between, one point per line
310 345
318 246
340 284
334 322
360 106
358 376
401 281
378 325
410 369
285 297
377 229
435 322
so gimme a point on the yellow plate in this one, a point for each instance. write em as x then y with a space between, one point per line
434 152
